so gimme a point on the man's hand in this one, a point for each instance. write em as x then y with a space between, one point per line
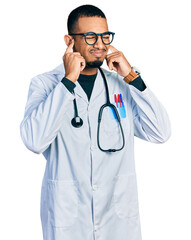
74 63
116 61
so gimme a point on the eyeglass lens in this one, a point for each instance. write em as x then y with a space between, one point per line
91 38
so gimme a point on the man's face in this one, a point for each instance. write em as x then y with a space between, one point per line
93 54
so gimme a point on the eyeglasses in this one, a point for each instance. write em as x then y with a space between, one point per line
91 37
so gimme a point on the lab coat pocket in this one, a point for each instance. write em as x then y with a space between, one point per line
126 196
63 203
110 122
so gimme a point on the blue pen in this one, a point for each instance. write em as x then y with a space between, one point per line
122 109
121 99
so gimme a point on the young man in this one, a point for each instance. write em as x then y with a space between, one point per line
89 189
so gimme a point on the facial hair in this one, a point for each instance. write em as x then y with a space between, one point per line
94 64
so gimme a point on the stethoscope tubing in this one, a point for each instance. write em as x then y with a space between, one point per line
78 122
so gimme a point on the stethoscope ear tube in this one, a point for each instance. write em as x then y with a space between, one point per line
108 104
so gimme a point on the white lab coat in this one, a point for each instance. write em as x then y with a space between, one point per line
88 194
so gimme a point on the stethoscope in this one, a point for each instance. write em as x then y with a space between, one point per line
78 122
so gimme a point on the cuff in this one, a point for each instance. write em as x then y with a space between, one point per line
68 84
138 83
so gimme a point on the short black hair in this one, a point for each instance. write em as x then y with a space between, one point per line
83 11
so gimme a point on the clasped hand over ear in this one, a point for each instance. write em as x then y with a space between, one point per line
116 61
74 63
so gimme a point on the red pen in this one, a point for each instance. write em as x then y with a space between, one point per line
115 97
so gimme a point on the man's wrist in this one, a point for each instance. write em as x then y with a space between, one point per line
71 78
131 76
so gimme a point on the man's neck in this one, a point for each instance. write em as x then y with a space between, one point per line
89 71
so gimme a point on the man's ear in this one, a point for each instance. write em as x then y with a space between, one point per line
67 39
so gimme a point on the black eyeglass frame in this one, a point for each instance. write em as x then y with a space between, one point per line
97 35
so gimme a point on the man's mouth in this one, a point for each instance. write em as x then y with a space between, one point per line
97 53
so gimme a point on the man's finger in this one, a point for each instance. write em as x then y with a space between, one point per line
114 54
69 49
83 64
112 48
76 53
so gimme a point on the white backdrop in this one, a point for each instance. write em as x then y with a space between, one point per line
155 37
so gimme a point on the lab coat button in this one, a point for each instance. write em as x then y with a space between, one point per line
95 228
94 187
93 147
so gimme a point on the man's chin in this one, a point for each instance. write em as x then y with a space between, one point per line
94 64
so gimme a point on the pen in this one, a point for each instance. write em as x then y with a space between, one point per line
121 99
115 97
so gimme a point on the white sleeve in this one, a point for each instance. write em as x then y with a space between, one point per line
151 121
43 114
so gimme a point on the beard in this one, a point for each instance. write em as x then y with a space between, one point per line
94 64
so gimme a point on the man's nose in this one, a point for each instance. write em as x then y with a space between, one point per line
99 44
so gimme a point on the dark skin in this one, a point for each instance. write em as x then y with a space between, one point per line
78 52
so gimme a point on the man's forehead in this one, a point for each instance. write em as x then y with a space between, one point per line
92 24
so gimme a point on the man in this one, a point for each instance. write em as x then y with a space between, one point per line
89 189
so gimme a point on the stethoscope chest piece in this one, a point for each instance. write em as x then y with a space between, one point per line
77 122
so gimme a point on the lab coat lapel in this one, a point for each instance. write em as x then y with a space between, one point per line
80 92
98 87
